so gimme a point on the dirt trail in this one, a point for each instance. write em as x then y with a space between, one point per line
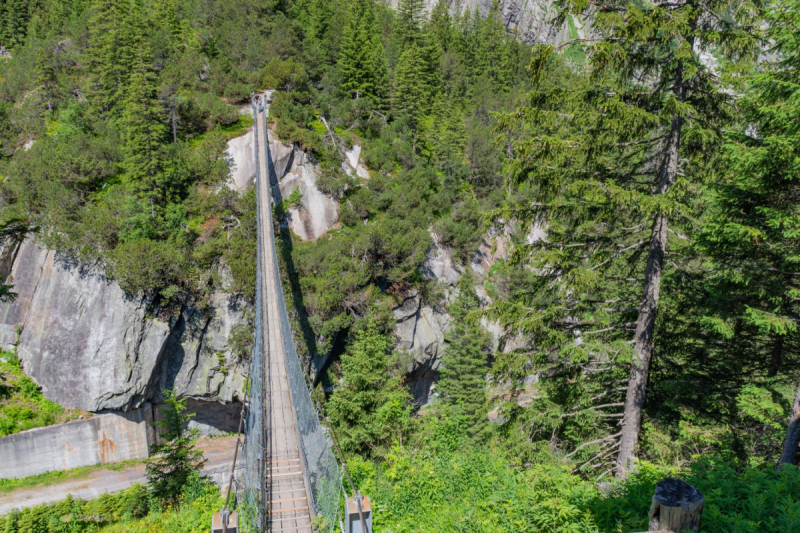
218 453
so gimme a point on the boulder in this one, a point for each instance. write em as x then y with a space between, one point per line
197 362
26 269
85 342
282 155
493 248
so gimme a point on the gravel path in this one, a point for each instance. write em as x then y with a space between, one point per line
218 453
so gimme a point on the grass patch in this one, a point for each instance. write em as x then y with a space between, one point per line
238 128
231 131
574 52
22 405
51 478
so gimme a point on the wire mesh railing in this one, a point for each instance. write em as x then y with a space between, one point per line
321 467
252 502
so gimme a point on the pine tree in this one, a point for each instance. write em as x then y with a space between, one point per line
411 93
464 365
143 124
45 76
165 17
108 71
617 163
410 18
469 42
441 25
495 55
320 13
362 61
14 18
447 136
174 462
380 74
753 235
371 408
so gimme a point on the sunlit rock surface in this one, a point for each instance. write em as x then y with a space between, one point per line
92 347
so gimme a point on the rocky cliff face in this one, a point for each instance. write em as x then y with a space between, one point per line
317 212
530 18
92 347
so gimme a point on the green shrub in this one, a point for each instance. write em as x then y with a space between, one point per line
132 510
22 405
145 264
283 76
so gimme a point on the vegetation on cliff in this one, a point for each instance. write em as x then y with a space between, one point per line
22 405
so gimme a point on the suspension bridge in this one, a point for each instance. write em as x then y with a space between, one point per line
291 480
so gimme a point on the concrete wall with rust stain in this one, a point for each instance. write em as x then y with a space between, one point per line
103 438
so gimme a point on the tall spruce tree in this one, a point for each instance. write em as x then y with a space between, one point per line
463 385
371 408
362 60
14 18
753 236
617 166
108 72
45 75
320 13
495 57
441 25
447 135
410 18
145 131
411 95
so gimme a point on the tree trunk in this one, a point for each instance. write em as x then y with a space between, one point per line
792 434
174 122
777 357
676 506
648 309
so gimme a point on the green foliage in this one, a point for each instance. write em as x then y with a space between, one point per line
125 108
618 169
412 88
431 489
361 59
283 75
464 366
175 464
143 264
132 510
22 405
370 410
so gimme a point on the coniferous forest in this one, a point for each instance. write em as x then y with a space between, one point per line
644 175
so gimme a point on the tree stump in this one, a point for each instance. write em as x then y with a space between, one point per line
677 506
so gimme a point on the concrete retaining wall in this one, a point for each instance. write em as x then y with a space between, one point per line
103 438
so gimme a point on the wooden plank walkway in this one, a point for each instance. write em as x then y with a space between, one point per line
288 504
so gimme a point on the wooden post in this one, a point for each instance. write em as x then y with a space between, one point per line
677 506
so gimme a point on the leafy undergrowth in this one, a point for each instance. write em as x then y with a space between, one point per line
476 491
22 405
61 476
134 510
